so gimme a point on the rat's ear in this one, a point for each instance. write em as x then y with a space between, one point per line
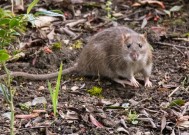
125 37
144 35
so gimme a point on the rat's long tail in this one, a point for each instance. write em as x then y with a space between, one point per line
39 76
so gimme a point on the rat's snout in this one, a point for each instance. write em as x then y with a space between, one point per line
134 56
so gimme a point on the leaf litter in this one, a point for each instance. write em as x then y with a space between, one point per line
162 109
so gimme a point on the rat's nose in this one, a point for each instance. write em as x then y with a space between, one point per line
134 56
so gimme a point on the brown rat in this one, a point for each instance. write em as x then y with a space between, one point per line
115 52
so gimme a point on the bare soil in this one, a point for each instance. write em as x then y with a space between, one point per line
76 106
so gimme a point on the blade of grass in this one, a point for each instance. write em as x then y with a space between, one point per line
32 5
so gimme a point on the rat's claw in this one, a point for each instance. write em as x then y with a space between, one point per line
134 82
123 84
148 83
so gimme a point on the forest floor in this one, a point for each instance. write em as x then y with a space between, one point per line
162 109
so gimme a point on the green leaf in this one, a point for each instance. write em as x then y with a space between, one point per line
14 22
132 117
25 106
78 44
14 33
4 21
58 82
3 56
186 34
54 93
31 18
175 8
32 5
177 102
57 45
5 92
2 33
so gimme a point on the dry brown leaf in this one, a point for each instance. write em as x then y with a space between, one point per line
28 116
150 2
39 111
50 36
183 124
43 21
47 50
163 123
71 115
183 118
95 122
160 31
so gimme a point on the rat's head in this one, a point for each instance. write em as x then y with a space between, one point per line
135 47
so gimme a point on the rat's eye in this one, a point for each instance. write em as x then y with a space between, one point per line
129 45
140 45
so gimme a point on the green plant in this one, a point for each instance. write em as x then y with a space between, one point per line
57 46
54 92
177 102
132 117
31 5
95 91
10 27
77 44
109 9
7 89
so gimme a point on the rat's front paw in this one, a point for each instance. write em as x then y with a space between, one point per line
134 82
148 83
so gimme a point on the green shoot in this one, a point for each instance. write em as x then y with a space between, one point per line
109 9
8 95
54 92
31 6
132 117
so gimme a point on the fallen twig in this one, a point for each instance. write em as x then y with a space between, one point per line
176 89
180 51
172 45
148 120
72 24
69 32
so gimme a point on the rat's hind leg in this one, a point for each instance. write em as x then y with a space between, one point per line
122 82
132 82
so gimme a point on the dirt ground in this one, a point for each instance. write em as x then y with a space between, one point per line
81 113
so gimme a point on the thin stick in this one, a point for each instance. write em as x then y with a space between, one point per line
72 24
177 88
12 6
172 45
69 32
